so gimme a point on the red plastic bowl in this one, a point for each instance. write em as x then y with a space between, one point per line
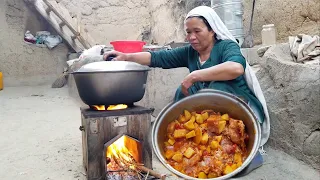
128 46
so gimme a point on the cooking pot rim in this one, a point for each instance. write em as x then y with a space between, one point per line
202 92
117 71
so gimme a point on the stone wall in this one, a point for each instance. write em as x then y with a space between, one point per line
292 93
24 64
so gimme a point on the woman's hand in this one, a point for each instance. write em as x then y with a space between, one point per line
118 56
143 58
188 81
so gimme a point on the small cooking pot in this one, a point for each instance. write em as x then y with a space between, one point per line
217 101
111 82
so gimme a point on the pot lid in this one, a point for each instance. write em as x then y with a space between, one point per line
113 66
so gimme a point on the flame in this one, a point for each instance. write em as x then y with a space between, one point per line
99 107
117 107
125 152
110 108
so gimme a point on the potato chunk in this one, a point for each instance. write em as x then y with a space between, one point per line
222 125
204 138
179 133
182 119
169 154
187 114
193 119
202 175
197 138
228 169
199 119
214 145
212 175
171 141
189 125
177 157
189 152
225 117
205 115
204 126
190 134
237 158
218 138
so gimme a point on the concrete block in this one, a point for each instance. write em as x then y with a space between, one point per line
292 95
251 55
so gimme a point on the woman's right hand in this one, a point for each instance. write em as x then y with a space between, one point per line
118 56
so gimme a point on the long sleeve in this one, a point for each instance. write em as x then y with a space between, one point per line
168 59
231 52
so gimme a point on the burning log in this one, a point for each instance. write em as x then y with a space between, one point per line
152 172
124 157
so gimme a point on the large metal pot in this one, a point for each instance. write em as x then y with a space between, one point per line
207 99
111 82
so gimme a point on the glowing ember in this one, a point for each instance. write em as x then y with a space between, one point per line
110 108
124 153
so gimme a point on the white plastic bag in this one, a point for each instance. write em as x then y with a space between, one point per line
93 51
52 41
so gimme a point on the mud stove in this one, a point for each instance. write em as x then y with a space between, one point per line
128 127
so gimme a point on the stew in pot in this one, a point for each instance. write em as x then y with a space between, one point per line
205 144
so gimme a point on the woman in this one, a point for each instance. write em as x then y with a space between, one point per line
214 60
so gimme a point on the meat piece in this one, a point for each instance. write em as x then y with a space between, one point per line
204 166
194 159
191 171
171 127
236 131
227 145
213 123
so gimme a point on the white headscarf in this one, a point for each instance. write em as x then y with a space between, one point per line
214 20
223 33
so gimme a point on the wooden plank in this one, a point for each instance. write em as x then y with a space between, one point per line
64 32
77 33
61 24
95 143
100 130
84 143
139 127
60 17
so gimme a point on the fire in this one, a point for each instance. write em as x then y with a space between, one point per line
99 107
117 107
124 152
110 108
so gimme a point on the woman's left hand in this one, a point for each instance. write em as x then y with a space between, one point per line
188 81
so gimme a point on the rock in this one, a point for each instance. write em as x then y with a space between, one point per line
292 94
251 55
262 50
312 144
87 10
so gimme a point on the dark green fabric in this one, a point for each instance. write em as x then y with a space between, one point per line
223 50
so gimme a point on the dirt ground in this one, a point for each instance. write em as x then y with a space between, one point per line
40 140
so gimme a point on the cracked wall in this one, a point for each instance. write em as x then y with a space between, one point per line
113 19
290 17
161 21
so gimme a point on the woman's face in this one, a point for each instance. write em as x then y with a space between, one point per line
198 34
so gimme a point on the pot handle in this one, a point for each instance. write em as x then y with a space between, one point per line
110 57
